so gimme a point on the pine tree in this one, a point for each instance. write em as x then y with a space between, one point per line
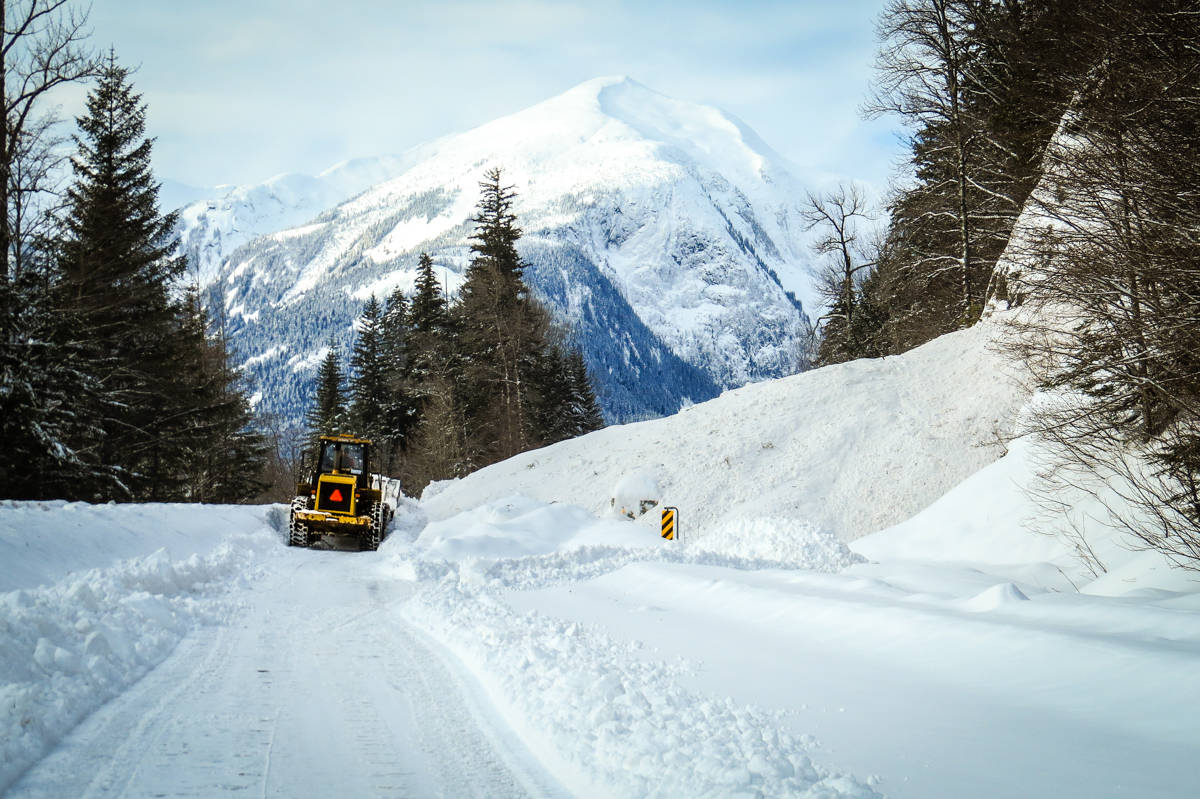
429 327
369 378
503 331
223 456
583 411
328 413
114 272
45 384
399 408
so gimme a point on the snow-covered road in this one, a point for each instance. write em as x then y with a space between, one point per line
529 649
316 688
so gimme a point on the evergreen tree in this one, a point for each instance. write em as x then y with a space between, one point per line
114 271
436 426
223 457
369 379
582 409
503 332
45 384
328 413
399 410
428 326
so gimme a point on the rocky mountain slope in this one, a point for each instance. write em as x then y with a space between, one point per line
666 234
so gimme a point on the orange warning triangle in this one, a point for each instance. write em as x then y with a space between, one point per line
336 496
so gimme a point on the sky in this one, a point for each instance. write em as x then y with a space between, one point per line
241 90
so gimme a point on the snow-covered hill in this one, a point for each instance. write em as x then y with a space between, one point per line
667 234
215 222
850 448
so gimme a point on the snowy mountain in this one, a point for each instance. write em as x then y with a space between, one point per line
215 222
666 234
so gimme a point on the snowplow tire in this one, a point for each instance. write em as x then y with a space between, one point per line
379 521
298 535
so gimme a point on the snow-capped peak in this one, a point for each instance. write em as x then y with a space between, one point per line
664 231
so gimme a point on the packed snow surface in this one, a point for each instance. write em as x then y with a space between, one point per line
533 645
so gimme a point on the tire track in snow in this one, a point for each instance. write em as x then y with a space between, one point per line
317 688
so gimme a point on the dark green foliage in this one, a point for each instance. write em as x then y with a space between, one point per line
45 386
429 326
328 414
399 409
114 269
566 405
222 456
369 381
502 333
110 386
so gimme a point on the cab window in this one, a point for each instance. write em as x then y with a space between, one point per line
328 457
352 458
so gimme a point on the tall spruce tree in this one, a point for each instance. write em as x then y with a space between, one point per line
429 328
328 413
369 376
114 273
437 432
223 456
503 331
398 407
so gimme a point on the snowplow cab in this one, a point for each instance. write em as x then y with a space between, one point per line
338 497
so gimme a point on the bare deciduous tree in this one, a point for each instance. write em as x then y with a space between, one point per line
921 75
839 216
42 44
1113 277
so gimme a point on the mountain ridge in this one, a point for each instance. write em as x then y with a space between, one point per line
635 206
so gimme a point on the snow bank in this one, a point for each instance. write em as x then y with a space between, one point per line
618 725
609 720
850 448
43 542
995 521
788 543
68 647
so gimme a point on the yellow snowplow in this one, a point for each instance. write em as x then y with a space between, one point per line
339 497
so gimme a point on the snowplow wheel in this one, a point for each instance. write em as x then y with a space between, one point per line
298 535
379 520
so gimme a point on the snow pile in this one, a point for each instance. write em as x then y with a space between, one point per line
851 448
637 493
789 543
997 521
43 542
518 526
606 719
614 723
68 647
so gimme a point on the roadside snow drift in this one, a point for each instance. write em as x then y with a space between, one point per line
849 449
607 719
103 594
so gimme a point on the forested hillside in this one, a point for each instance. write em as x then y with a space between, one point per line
1078 120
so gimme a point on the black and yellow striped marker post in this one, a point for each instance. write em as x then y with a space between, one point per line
670 519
